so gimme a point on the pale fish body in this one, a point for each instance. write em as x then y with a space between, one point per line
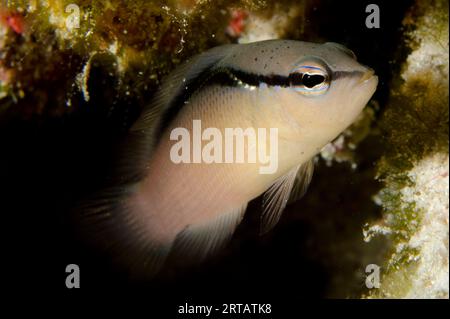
309 92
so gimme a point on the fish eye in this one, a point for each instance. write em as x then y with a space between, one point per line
310 78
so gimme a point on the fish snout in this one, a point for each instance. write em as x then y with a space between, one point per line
368 75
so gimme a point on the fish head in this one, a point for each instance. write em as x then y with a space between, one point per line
327 89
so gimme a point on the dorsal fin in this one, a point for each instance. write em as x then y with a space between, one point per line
176 82
144 135
288 187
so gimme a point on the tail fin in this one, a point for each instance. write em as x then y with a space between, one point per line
107 222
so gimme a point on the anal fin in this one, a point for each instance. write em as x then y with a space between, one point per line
196 242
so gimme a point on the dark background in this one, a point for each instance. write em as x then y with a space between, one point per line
48 165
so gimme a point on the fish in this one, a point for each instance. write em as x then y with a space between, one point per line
308 93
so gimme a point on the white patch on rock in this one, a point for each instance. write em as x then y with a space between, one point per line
430 193
262 28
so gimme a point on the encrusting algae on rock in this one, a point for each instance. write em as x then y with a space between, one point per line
145 39
415 166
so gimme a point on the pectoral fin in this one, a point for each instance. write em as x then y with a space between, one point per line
302 180
287 188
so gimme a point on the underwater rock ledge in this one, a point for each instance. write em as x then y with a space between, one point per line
415 166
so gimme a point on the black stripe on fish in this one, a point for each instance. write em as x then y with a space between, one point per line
232 78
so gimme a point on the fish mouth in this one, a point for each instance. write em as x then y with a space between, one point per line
367 76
